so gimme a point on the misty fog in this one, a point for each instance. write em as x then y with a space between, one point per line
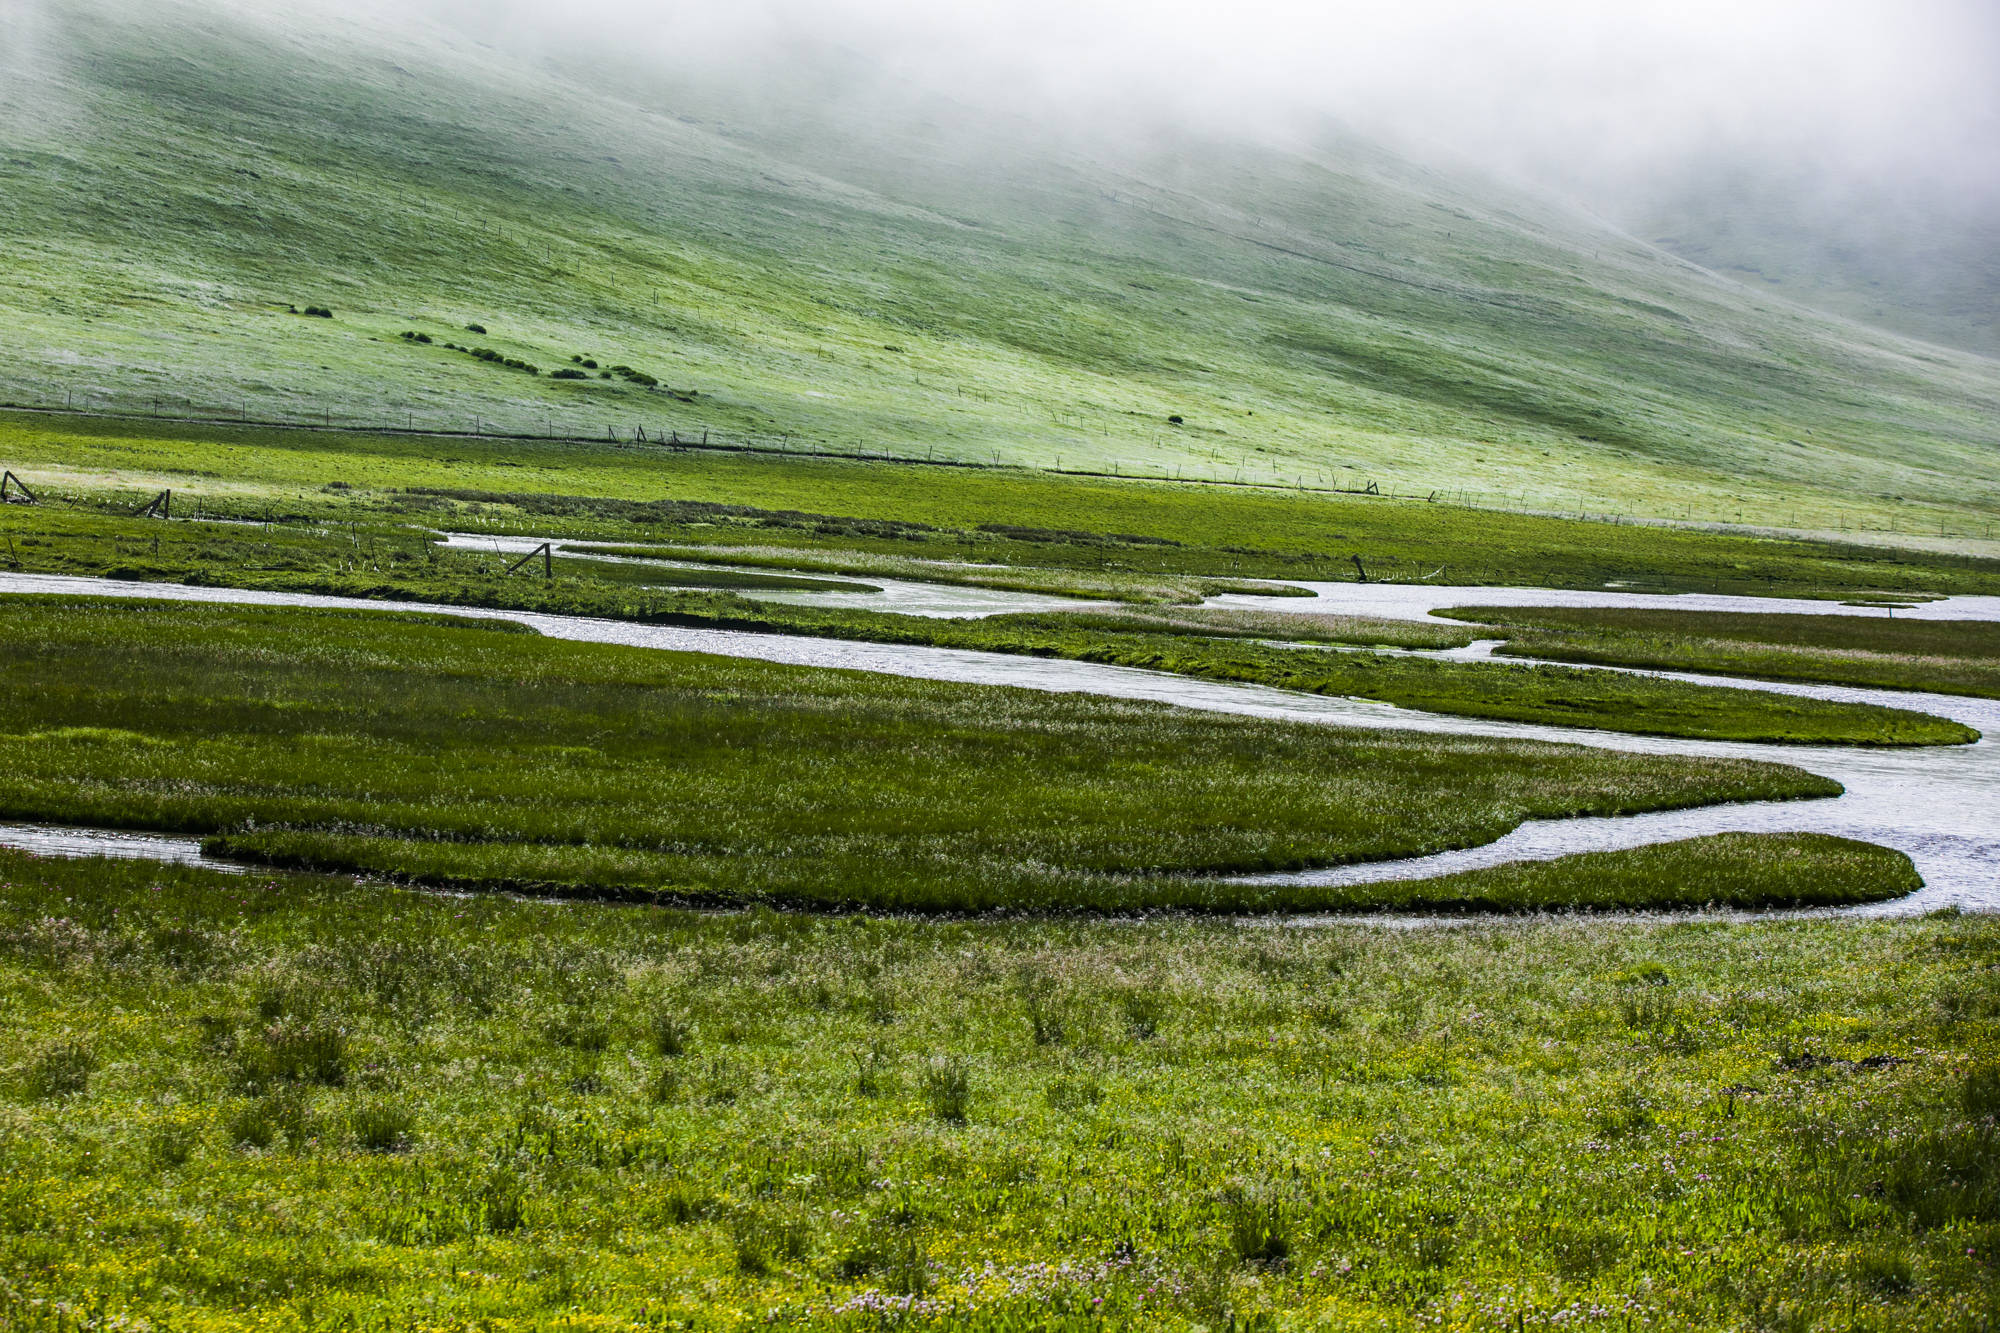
1849 149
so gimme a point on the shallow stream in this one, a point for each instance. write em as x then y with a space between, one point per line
1940 805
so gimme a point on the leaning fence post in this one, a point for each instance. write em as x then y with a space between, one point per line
548 560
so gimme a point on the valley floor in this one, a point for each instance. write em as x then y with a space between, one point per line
278 1101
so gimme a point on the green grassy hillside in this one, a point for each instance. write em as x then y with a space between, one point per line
175 181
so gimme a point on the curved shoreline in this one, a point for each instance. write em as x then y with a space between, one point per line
1927 803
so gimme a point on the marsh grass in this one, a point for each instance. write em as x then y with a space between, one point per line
1249 1162
947 1088
668 1031
382 1125
787 513
1943 656
390 565
340 741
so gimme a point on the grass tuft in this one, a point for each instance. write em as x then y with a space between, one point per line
59 1069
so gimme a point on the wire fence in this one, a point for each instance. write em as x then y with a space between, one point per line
1247 474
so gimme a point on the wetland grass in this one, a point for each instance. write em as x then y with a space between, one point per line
1144 533
1943 656
398 565
455 754
1538 1124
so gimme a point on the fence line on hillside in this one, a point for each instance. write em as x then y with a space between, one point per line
640 434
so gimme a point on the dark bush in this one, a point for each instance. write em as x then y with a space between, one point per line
578 1029
567 374
416 337
317 312
1259 1230
475 328
1173 421
1981 1093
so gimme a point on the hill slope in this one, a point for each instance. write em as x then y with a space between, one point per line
174 179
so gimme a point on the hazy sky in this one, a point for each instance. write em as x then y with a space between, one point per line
1600 96
1578 90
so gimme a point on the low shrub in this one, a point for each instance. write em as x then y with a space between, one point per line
294 1049
567 374
410 336
500 1203
1883 1272
1074 1094
1981 1093
763 1239
250 1126
579 1030
1259 1229
475 328
283 1114
1144 1010
317 312
173 1142
873 1073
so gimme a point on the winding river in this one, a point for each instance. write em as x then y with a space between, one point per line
1940 805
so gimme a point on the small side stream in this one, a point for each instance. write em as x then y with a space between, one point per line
1940 805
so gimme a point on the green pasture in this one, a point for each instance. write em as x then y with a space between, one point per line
261 1102
183 182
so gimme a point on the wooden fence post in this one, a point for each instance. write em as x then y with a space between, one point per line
548 560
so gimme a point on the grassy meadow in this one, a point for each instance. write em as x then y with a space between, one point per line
576 986
277 1102
1942 656
474 755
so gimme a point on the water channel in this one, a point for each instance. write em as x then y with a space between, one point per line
1940 805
